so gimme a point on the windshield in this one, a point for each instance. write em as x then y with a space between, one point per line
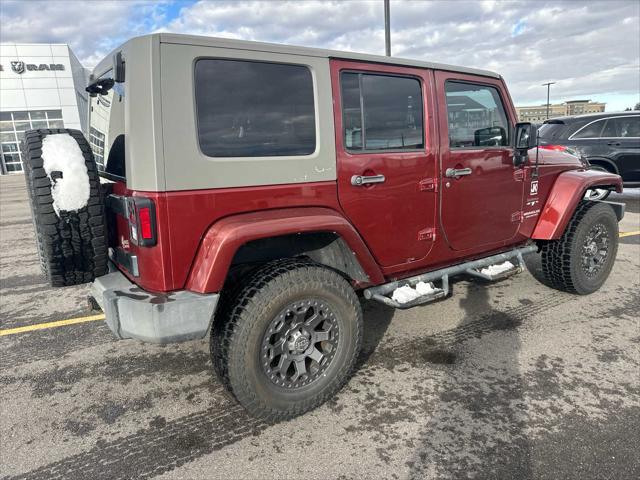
106 128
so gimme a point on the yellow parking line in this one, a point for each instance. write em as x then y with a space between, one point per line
629 234
59 323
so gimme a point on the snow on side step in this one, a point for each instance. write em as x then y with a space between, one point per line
60 152
406 294
497 269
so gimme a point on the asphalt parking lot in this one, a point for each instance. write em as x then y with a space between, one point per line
508 380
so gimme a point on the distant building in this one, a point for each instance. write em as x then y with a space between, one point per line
538 113
41 86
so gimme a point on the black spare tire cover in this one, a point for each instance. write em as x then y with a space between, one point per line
67 206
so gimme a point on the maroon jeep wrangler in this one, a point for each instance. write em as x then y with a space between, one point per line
251 192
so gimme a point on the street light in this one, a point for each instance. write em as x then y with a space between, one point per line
387 29
548 85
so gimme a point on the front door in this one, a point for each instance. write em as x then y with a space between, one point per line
386 165
481 189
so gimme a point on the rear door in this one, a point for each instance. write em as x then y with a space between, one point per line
481 189
386 162
622 136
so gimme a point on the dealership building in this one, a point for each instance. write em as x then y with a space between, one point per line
41 86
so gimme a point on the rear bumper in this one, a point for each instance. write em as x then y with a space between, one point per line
131 312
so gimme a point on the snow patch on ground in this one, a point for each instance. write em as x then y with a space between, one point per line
497 269
406 294
60 152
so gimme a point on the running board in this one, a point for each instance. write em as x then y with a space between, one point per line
380 292
517 268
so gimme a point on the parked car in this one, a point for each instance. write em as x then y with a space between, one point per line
608 141
251 192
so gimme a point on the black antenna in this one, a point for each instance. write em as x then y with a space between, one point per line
535 171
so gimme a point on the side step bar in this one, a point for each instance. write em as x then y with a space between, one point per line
380 292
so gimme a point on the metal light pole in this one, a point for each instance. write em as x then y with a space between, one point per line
387 29
548 85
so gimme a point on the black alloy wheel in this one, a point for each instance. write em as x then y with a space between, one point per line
595 250
300 343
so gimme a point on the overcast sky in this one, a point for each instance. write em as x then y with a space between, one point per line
590 48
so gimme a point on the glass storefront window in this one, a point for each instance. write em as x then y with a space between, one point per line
7 137
53 114
10 147
12 128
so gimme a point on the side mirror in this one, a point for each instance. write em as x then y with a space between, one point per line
525 137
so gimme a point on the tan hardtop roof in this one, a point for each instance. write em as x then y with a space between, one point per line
313 52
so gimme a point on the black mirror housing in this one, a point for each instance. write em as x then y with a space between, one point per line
524 138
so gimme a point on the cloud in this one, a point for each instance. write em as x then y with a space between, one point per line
586 48
91 28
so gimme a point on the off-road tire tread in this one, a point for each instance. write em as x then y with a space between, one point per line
556 256
72 247
242 303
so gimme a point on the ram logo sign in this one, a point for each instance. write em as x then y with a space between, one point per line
20 67
17 67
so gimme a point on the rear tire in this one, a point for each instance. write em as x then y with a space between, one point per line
288 340
581 260
71 245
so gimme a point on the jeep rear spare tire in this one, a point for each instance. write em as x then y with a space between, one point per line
66 205
288 339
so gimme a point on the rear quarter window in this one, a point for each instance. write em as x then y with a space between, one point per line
254 109
553 131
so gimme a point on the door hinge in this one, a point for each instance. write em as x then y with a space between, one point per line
427 234
428 185
516 217
518 175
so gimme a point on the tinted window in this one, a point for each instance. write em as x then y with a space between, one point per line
476 116
622 127
351 111
592 130
552 131
390 107
254 109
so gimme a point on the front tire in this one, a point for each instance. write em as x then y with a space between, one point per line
581 260
288 340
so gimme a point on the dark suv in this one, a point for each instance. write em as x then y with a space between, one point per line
609 141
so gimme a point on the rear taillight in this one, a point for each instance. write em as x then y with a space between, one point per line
142 221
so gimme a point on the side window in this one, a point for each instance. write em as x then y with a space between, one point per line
254 109
592 130
476 116
622 127
381 112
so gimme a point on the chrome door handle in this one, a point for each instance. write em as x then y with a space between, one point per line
359 180
457 172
